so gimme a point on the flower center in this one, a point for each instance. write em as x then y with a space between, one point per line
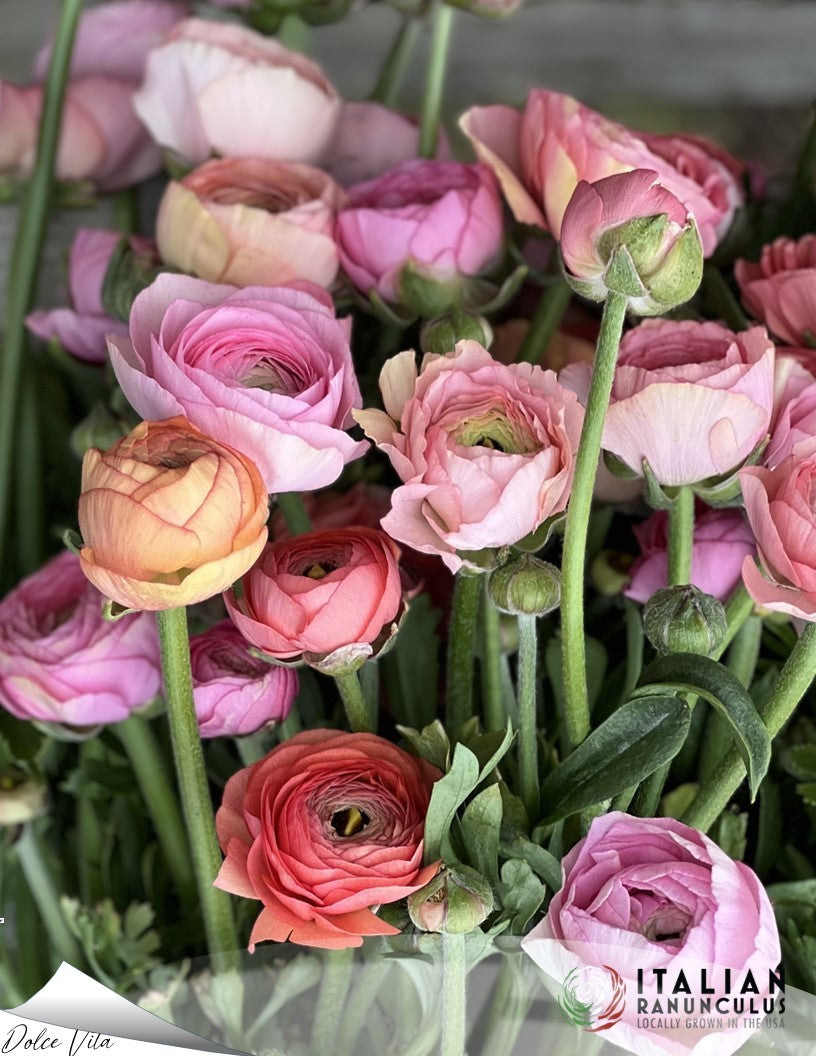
494 431
667 925
266 373
349 821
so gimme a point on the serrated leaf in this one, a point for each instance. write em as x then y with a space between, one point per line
480 827
691 673
630 745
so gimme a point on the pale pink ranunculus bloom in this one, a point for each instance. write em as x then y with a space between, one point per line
328 594
83 328
266 369
722 540
692 398
235 693
62 662
781 507
485 451
645 894
794 417
541 154
251 222
780 288
221 88
440 219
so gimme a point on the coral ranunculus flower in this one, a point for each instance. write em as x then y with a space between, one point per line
169 516
326 827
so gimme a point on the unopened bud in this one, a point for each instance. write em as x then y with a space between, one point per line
526 586
99 428
684 620
440 336
456 901
22 798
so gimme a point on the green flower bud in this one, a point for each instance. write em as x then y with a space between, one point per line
526 586
22 798
440 336
455 901
99 428
684 620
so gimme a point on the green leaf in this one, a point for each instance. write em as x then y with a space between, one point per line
490 748
731 834
542 863
480 827
800 761
432 744
412 687
449 793
521 892
691 673
634 741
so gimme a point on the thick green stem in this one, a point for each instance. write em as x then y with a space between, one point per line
681 537
494 713
160 799
45 894
793 683
216 907
361 717
25 255
461 646
576 704
454 996
338 967
738 609
30 506
441 26
527 738
294 512
548 315
396 64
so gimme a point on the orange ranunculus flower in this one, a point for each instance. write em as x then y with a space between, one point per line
169 516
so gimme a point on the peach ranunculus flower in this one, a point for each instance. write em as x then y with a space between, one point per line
541 154
251 222
485 451
219 88
322 831
780 288
169 516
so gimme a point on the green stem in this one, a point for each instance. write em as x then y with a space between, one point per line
361 717
495 713
355 1013
738 609
126 211
25 255
681 537
293 509
290 726
216 907
338 967
461 646
148 764
793 683
576 705
29 492
250 748
527 742
441 26
396 64
293 33
548 315
46 895
721 299
454 996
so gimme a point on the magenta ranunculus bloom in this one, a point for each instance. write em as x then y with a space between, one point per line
693 399
541 154
82 328
485 451
439 219
722 541
62 662
645 894
780 289
236 693
267 370
220 88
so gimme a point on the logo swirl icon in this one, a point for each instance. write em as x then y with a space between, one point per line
593 997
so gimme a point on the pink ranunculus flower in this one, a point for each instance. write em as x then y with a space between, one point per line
781 508
693 399
722 541
251 222
216 87
485 451
236 693
62 662
794 417
438 220
645 896
82 328
267 370
780 289
541 154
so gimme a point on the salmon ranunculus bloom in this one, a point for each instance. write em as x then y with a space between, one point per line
780 288
169 516
323 830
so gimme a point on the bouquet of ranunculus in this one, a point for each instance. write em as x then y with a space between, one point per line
402 548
